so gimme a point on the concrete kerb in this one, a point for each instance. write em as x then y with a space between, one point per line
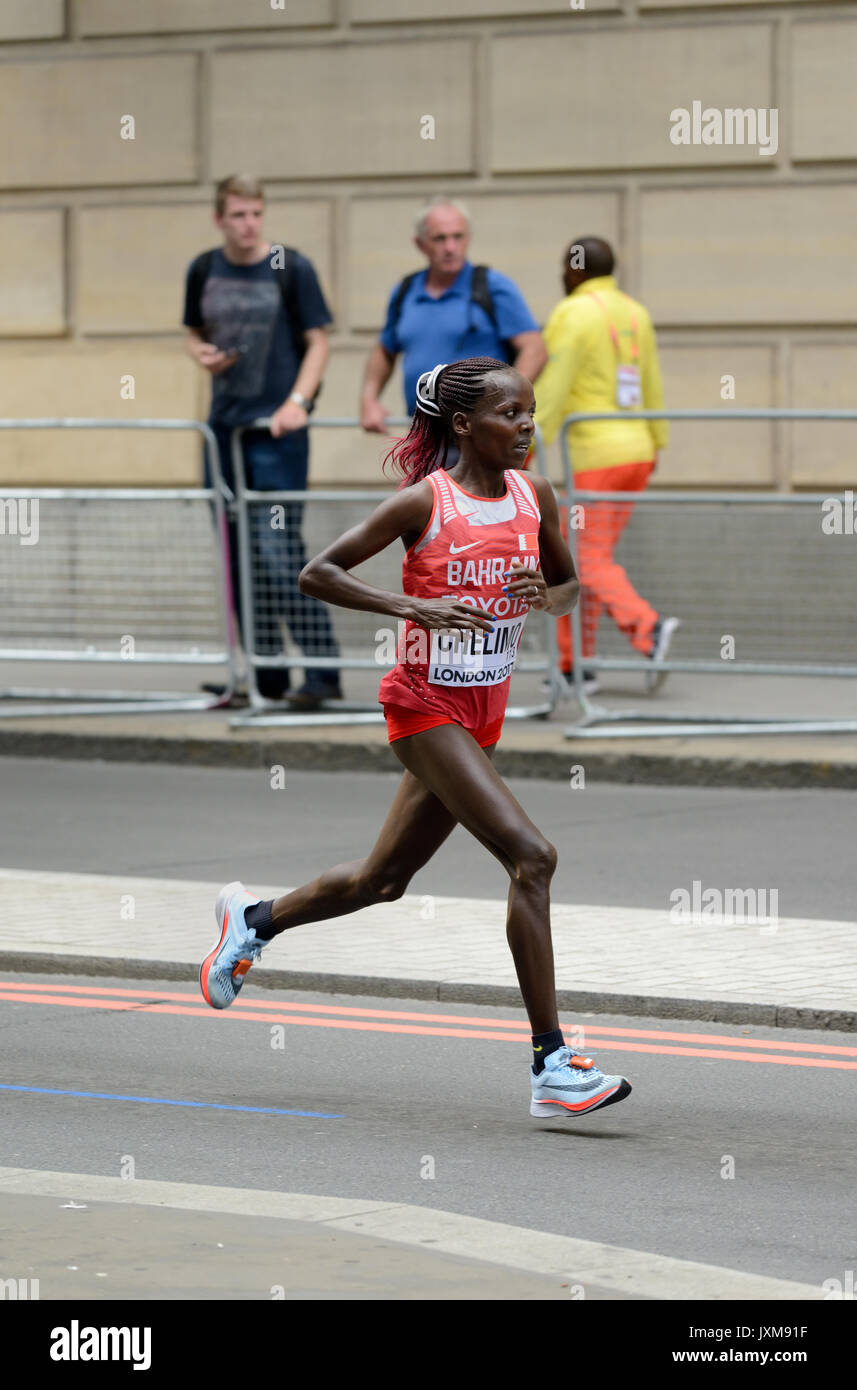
684 765
729 1011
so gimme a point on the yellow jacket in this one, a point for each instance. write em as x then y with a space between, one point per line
581 375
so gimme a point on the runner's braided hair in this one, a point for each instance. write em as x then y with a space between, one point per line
440 393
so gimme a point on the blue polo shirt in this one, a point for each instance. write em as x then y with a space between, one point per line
444 329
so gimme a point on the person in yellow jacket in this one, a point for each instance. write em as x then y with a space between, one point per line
603 356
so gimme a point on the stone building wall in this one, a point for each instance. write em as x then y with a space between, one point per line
550 121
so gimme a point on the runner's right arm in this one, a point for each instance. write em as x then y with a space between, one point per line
405 515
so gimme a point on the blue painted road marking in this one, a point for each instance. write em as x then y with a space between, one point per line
161 1100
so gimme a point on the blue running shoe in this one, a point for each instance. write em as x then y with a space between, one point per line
571 1084
222 973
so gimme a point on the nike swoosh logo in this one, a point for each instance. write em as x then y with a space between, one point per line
587 1086
457 549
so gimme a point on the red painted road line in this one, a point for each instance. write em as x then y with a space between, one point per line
607 1045
770 1044
36 997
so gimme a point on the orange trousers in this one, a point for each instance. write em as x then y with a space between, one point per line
603 583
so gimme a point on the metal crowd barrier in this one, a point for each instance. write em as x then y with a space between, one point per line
734 567
136 576
277 533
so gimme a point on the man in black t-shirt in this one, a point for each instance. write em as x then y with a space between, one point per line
256 319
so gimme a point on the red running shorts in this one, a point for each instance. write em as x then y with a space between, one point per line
402 723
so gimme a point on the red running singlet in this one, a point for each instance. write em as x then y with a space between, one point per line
464 553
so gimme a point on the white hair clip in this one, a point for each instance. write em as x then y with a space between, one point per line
427 390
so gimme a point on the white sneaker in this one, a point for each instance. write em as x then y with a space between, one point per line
221 974
662 636
571 1084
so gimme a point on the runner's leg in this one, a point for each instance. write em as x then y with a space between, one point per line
415 828
451 765
449 778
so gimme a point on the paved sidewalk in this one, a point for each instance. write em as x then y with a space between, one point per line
792 973
528 748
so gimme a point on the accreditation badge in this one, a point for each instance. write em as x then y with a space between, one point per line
628 392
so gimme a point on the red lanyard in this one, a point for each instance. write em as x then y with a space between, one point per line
635 348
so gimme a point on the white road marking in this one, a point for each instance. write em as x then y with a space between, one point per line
636 1273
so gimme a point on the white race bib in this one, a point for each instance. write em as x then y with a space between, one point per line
628 393
469 660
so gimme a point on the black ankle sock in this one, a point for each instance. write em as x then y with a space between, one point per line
543 1045
259 918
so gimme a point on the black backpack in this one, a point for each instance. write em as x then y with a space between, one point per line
200 269
479 294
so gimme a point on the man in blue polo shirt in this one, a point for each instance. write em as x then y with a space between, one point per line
442 316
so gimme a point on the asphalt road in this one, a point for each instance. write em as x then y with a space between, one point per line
733 1150
746 1164
618 845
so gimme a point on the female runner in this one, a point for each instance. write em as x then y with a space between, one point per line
482 547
